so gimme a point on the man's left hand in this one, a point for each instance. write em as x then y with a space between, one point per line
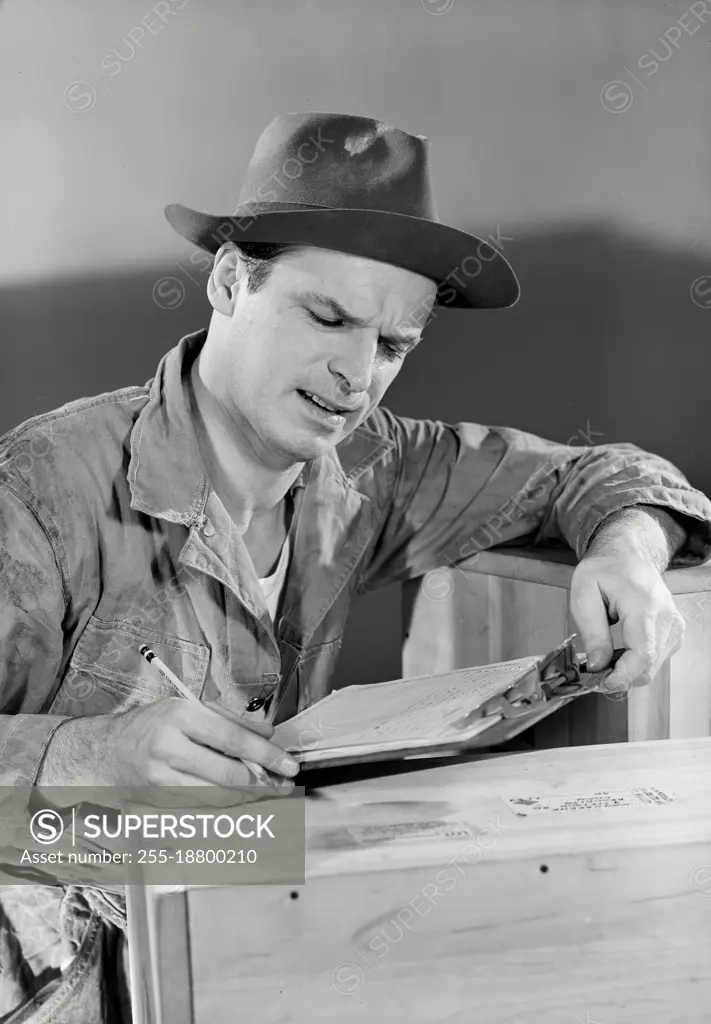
607 588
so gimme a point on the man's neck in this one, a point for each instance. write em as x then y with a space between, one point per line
247 488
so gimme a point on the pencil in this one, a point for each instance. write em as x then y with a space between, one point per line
153 659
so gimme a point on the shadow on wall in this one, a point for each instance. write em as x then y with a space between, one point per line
611 336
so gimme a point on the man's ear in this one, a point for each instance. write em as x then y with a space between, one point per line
227 276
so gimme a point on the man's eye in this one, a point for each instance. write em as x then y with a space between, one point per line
393 352
322 321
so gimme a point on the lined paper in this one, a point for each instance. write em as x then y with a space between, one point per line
403 712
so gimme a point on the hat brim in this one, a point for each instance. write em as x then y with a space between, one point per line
470 273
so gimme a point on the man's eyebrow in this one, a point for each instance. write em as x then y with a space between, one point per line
341 313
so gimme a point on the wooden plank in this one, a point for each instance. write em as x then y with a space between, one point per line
492 630
534 617
159 956
173 964
690 670
596 915
139 954
690 581
429 626
479 789
554 567
648 708
518 945
483 619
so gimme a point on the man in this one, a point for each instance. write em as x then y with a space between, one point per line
228 512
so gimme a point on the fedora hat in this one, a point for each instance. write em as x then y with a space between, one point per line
337 181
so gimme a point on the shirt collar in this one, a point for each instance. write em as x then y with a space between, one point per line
165 472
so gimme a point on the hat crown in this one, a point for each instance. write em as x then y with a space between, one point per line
338 161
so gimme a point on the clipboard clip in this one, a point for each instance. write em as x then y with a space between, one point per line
560 673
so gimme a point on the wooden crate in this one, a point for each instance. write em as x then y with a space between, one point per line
592 914
508 603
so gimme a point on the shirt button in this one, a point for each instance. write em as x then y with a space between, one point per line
255 704
208 529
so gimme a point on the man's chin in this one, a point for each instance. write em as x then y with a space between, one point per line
305 445
307 449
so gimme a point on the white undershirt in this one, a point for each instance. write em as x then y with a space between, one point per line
273 586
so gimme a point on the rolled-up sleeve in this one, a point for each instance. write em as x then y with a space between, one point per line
451 491
31 613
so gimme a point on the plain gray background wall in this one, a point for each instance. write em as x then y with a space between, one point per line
575 132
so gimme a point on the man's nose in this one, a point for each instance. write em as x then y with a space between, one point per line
353 371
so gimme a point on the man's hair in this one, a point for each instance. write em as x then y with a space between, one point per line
260 257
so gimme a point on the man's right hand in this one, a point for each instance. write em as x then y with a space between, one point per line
171 742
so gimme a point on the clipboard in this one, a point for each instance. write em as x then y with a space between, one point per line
539 687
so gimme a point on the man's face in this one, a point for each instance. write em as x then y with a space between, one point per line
324 325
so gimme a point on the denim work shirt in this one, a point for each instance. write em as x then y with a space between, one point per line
111 537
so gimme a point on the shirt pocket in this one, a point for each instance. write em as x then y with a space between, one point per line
107 672
315 670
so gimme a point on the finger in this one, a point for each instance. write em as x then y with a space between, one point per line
663 638
221 796
255 724
638 664
590 613
274 782
207 766
216 730
672 634
208 741
621 679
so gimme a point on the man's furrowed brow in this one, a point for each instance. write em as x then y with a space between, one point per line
335 307
340 312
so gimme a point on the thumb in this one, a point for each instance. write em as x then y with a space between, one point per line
590 613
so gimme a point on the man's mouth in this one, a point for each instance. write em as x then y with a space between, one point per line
321 403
